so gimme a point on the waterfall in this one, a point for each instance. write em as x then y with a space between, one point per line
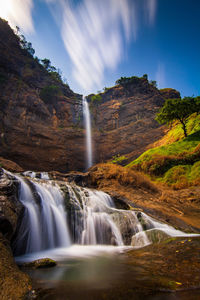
87 121
43 225
91 217
59 216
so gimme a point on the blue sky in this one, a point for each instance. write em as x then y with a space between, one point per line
95 42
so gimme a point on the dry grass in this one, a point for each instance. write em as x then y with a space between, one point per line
126 177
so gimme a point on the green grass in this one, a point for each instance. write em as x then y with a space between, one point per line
185 146
176 163
117 159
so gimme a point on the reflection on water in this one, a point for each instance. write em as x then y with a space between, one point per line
86 265
112 273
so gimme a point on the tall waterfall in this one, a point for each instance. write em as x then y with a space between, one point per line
87 121
58 216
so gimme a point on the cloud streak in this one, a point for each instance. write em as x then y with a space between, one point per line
18 13
160 75
151 6
94 33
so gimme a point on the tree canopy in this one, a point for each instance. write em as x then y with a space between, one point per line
178 109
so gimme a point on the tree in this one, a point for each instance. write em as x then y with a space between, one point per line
46 63
145 76
154 83
177 109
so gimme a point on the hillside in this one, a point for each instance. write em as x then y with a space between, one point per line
123 118
174 160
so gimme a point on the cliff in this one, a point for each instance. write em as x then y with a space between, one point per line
123 118
41 125
40 117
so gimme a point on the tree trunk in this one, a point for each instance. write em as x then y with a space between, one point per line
184 128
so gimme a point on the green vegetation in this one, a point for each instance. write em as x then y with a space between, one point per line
96 99
128 80
48 93
125 81
177 161
153 82
178 109
117 159
56 74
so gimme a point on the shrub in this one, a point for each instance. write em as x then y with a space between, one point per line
95 99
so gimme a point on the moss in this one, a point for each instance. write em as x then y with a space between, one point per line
117 159
40 263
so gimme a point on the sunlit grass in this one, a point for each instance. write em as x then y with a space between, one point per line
177 161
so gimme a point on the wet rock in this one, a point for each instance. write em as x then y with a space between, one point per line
156 236
40 263
10 207
14 284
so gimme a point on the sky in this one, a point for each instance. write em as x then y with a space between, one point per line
95 42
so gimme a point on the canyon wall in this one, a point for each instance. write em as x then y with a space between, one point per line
41 120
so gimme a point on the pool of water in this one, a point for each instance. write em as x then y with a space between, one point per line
101 272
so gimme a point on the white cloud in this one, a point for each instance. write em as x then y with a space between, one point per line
95 33
160 76
151 6
18 13
92 32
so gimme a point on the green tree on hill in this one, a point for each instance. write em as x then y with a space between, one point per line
177 109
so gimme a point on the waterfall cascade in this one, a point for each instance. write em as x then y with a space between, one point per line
87 121
57 216
43 225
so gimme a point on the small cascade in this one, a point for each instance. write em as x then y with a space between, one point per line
87 121
59 216
91 220
44 224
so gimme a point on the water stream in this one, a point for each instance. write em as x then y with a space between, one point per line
87 121
59 215
86 234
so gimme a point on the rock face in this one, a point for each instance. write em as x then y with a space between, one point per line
14 284
41 125
124 118
36 134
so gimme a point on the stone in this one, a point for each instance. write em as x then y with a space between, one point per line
40 263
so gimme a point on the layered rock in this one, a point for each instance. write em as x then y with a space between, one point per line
36 134
44 131
124 118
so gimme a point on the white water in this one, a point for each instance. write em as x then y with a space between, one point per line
87 121
43 224
91 220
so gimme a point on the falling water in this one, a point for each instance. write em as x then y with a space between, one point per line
60 216
87 121
44 224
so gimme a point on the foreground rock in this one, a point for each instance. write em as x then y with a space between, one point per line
14 284
40 263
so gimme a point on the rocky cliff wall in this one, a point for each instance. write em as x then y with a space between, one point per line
124 119
36 134
39 131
